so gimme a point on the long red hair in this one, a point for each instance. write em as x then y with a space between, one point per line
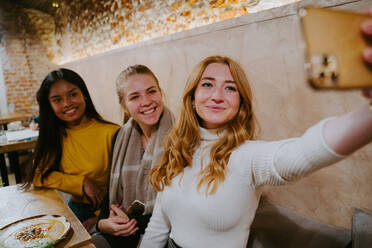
184 138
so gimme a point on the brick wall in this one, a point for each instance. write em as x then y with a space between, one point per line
98 26
23 58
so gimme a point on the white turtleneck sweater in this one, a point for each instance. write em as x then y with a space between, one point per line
223 219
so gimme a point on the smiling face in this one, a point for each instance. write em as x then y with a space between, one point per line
216 97
143 100
67 102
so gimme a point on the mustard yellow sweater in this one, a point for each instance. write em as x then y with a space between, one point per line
86 153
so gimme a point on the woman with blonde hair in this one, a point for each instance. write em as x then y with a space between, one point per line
210 176
137 148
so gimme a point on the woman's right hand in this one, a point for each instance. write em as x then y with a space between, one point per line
118 223
94 194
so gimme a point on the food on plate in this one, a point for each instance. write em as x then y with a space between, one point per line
39 231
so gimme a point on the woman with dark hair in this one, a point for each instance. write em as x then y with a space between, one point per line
73 148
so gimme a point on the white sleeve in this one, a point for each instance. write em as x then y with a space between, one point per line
157 231
279 162
300 156
255 161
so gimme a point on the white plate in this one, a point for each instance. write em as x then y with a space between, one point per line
37 231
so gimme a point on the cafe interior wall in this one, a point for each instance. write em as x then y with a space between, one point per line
37 42
100 38
269 47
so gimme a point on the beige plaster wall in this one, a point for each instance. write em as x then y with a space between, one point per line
268 46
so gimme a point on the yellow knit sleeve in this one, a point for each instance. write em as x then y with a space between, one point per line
72 184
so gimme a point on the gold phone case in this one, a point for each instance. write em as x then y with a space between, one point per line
334 46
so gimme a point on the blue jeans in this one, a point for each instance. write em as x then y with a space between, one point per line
82 210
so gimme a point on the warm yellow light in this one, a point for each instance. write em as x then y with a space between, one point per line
55 4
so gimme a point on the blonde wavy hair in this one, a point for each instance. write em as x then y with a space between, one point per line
123 78
184 138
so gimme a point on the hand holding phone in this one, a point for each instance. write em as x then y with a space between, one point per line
118 223
334 48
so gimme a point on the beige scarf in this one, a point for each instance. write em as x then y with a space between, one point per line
130 170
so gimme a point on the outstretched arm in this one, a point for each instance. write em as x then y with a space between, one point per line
338 136
327 142
349 132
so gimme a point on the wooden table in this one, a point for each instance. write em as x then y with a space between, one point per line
16 204
18 145
12 149
6 118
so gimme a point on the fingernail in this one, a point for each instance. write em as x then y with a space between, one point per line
367 27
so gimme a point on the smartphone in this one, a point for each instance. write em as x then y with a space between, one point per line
136 208
333 49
